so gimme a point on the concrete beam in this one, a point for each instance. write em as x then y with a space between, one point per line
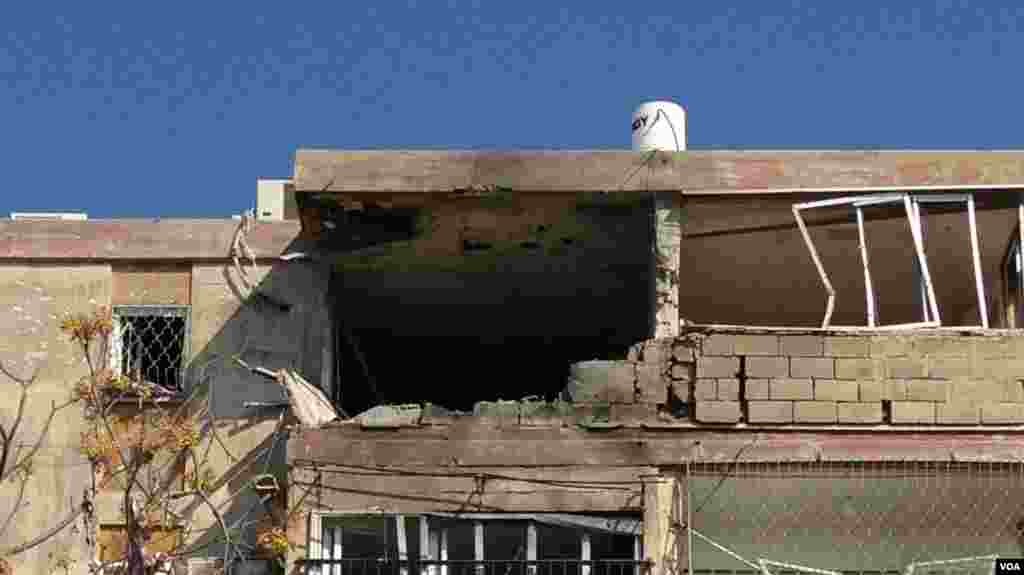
138 239
697 172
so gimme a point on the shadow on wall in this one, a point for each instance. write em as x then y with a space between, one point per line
282 323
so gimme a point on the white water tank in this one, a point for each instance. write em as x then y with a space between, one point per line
659 125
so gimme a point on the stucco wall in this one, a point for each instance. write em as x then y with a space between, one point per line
33 298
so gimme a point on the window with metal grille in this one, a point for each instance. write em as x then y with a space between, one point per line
150 343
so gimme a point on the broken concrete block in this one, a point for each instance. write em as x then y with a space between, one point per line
682 372
656 351
544 413
683 353
502 413
390 416
632 413
602 382
651 383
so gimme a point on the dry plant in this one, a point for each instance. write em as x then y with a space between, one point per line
154 449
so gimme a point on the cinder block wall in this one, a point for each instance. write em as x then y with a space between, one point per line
812 377
782 377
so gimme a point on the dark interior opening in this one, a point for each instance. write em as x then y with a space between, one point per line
378 367
152 349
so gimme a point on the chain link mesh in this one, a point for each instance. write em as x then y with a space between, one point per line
908 517
150 343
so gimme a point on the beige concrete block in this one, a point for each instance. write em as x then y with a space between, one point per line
651 383
857 368
905 368
718 344
814 411
847 346
1006 368
792 389
757 389
1013 391
683 353
1002 413
705 389
729 389
682 372
833 390
978 391
893 389
718 367
948 367
756 344
770 412
817 367
718 411
910 412
988 347
891 345
767 367
958 413
927 390
942 346
801 345
860 412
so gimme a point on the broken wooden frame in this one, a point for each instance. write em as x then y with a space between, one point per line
912 206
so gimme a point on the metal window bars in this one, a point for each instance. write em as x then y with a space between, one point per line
151 343
391 566
912 207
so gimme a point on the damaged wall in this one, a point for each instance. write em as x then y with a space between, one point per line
486 280
910 378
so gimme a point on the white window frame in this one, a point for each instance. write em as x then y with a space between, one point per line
912 207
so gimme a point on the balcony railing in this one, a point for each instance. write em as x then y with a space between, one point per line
382 566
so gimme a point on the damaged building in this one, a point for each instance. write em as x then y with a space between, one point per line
584 363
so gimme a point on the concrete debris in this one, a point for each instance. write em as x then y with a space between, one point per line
390 416
602 382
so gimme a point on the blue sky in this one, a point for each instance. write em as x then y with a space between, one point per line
175 109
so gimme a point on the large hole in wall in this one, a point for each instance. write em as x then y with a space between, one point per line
482 299
457 372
